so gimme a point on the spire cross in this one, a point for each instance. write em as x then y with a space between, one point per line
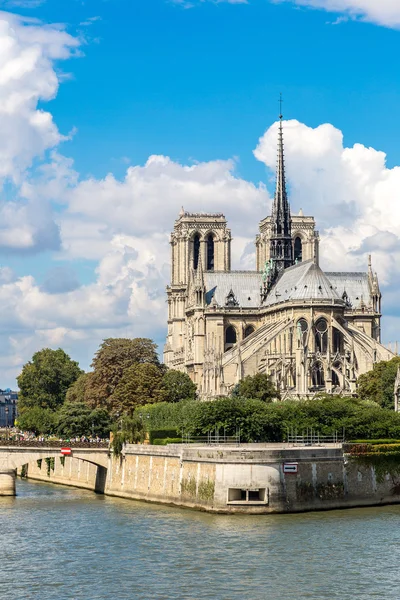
280 106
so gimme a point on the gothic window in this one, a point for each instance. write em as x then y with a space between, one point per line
210 252
335 378
317 375
248 331
302 329
298 250
321 336
196 250
337 340
230 337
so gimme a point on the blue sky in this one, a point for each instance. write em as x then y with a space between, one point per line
85 215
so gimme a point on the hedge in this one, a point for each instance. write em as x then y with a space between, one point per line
161 434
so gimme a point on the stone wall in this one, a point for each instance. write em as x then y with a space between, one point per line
247 479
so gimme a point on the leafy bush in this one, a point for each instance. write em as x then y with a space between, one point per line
165 441
162 434
260 421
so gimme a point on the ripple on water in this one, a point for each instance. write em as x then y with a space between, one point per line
69 544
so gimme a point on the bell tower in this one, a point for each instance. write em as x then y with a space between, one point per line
200 243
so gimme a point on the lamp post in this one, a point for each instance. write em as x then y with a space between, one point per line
6 409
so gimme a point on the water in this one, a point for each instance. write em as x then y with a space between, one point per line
67 544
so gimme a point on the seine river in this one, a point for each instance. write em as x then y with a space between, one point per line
67 544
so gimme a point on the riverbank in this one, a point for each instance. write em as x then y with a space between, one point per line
253 478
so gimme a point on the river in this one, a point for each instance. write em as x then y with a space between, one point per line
69 544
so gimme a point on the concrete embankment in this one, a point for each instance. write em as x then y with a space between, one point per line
254 478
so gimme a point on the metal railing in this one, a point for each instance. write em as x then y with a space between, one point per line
213 438
310 437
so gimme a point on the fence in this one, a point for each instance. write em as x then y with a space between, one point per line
310 437
213 438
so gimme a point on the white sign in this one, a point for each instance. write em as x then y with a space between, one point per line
290 467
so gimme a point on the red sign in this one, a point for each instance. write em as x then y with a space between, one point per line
66 451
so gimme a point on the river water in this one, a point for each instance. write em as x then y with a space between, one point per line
69 544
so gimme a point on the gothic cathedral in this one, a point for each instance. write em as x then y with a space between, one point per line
310 331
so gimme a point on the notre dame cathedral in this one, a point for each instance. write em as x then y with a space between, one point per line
310 331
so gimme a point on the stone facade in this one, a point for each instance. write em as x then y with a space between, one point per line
253 478
310 331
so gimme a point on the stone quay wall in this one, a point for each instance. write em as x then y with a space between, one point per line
255 478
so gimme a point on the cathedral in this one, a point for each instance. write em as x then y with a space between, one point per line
308 330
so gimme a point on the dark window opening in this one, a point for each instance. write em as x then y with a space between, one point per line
196 250
302 330
249 330
337 340
335 378
210 252
298 250
318 378
321 336
237 495
230 337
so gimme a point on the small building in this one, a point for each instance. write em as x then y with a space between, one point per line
8 407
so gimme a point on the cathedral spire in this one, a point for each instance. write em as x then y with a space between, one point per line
281 250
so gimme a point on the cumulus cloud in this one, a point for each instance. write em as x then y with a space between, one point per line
350 191
382 12
28 51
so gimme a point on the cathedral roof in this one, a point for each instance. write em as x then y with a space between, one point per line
244 284
304 281
355 285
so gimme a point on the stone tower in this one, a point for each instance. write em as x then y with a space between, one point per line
200 243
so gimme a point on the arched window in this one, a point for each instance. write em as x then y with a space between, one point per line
230 337
196 250
210 252
298 250
321 336
337 340
335 379
248 331
302 329
317 376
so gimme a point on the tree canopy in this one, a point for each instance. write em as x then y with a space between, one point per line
77 419
178 386
114 357
140 384
257 387
38 420
45 379
378 385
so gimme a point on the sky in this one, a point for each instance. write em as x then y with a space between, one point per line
116 113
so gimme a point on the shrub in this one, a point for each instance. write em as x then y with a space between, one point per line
161 434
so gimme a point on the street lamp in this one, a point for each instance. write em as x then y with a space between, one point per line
6 411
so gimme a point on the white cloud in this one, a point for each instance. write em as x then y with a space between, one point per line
381 12
350 191
27 77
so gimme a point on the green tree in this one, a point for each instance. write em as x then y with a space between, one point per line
75 419
76 391
45 379
178 386
111 361
140 384
38 420
257 387
378 385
